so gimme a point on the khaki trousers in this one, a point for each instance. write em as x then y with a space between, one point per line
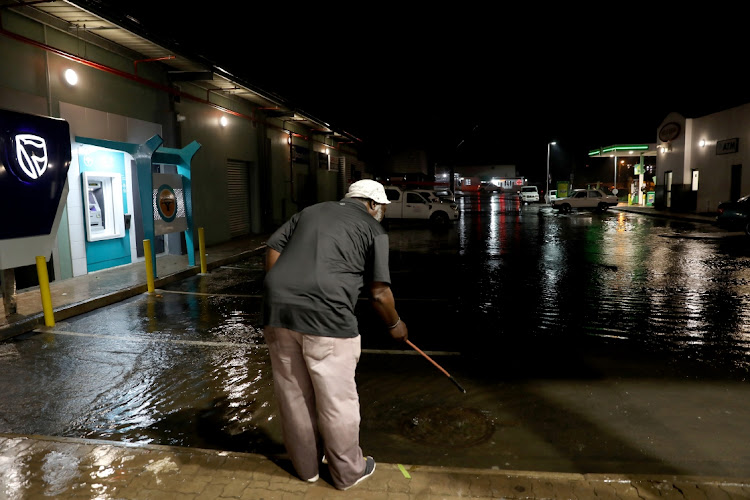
318 402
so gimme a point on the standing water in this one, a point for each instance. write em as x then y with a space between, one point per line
586 342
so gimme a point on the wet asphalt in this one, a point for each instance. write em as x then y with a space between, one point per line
588 344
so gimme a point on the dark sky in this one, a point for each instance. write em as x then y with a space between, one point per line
500 84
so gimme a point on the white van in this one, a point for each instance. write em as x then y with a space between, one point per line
551 196
529 194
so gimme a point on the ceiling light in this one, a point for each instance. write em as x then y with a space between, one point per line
71 76
223 121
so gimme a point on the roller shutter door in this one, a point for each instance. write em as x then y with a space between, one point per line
238 201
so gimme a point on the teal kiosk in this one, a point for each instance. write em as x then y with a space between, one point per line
170 201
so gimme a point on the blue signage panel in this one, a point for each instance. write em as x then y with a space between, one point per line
34 161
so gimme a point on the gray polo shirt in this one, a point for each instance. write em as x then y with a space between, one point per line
328 252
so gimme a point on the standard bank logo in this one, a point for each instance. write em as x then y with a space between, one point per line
31 153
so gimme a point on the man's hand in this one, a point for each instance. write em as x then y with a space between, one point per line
400 331
385 305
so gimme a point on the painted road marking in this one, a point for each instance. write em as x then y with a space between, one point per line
403 471
222 344
257 296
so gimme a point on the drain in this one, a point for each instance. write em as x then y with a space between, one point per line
453 426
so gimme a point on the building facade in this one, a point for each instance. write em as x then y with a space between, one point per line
256 160
700 161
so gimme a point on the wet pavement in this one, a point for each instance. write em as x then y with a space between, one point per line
36 467
43 466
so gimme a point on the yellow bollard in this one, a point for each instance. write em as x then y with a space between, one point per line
202 249
149 265
41 271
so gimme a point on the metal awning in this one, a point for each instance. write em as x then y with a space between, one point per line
92 22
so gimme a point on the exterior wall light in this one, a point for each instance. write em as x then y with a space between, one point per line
703 142
223 121
71 76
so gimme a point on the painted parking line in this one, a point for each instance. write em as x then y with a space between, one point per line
258 296
152 340
207 343
238 295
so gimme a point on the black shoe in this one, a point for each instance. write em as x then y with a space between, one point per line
369 469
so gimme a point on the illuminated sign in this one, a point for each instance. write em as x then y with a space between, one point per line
31 153
630 148
170 215
34 160
167 203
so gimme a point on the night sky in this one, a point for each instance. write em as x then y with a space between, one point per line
473 86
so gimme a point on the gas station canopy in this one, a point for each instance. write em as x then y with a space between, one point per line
624 150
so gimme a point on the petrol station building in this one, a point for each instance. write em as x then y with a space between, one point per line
698 162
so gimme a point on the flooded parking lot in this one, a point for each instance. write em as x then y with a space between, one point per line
586 342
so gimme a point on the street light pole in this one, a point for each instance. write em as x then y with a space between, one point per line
546 191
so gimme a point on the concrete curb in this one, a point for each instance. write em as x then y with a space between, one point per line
153 471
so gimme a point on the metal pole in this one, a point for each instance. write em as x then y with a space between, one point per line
546 193
41 270
546 189
149 265
615 185
202 250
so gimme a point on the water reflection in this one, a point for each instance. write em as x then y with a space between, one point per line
608 275
574 335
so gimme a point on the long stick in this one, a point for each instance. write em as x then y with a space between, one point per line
437 365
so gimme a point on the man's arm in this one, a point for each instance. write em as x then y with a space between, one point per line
279 239
271 257
384 304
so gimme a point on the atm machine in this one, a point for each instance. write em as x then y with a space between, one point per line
96 217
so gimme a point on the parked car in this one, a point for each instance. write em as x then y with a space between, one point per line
488 187
410 206
445 194
585 199
429 195
529 194
735 215
551 196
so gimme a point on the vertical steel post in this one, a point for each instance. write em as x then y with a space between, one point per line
202 249
41 271
149 265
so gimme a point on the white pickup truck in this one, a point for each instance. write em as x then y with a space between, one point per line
407 205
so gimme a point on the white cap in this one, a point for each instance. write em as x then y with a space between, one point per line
367 188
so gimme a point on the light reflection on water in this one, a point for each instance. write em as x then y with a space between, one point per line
585 273
521 294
